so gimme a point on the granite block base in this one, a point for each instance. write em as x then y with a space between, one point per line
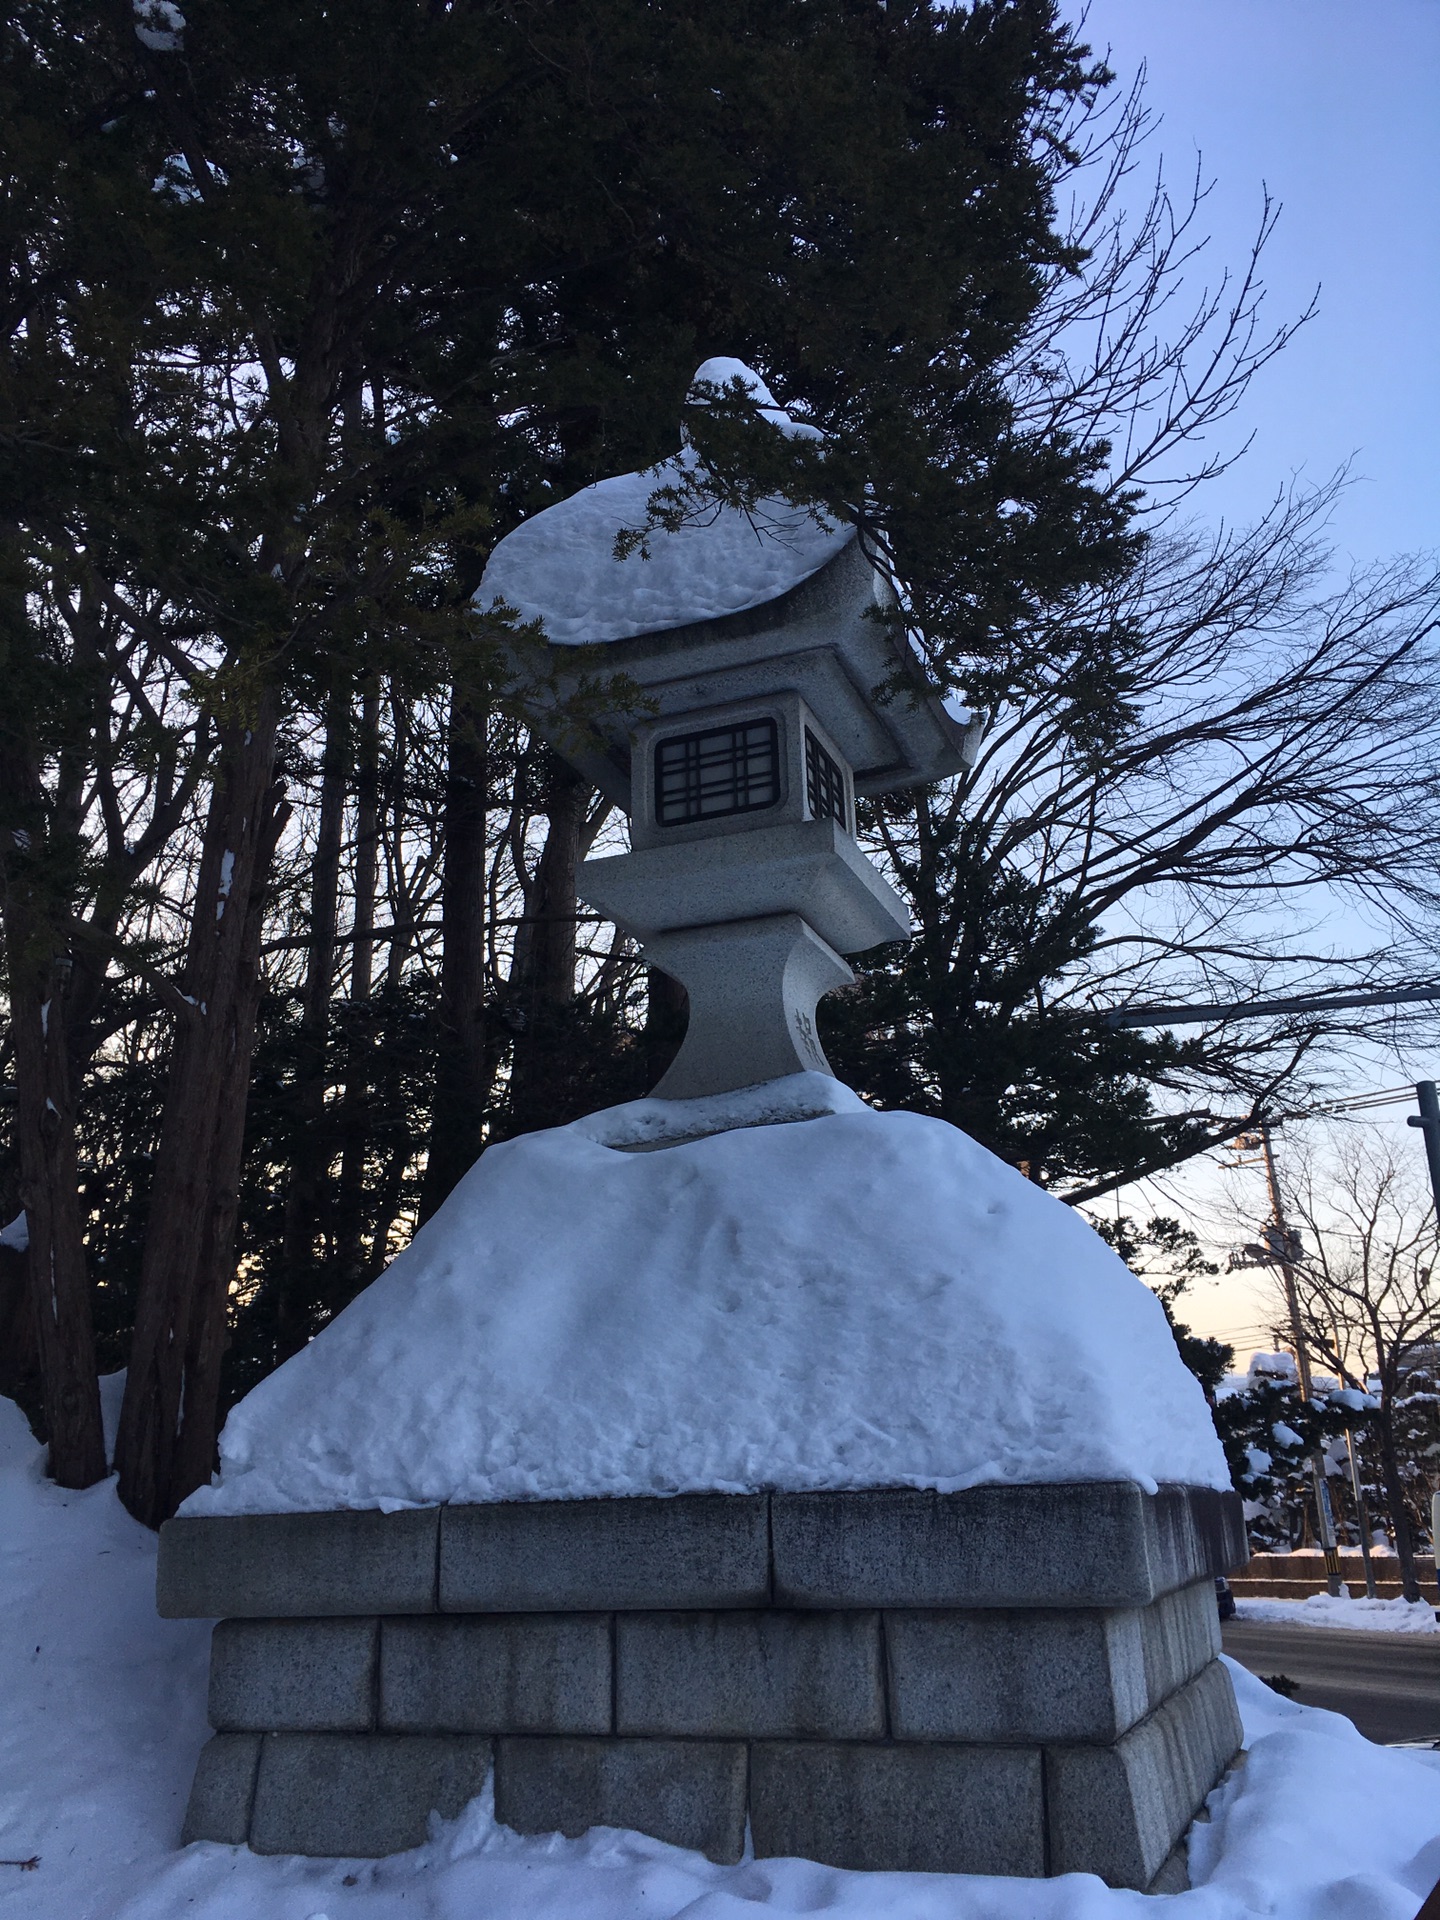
1009 1681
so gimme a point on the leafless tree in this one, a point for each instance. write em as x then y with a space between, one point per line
1370 1298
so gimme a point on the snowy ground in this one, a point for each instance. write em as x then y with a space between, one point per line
1366 1616
103 1715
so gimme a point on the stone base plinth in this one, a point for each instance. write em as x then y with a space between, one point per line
1008 1680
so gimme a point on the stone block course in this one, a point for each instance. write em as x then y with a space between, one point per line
1180 1636
283 1676
1017 1674
331 1794
223 1790
910 1809
1007 1680
496 1673
297 1565
1043 1546
750 1674
1196 1531
689 1792
1094 1544
696 1550
1119 1810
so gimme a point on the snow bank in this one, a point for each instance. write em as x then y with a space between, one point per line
559 567
1323 1610
859 1299
103 1717
102 1705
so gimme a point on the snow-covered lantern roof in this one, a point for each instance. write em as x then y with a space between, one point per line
754 693
727 607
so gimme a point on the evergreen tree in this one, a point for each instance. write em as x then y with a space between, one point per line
363 288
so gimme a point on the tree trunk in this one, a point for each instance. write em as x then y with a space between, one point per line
355 1104
45 1133
542 980
310 1150
463 1068
168 1420
1395 1500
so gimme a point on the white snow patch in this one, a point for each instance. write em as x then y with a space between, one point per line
105 1714
17 1235
1339 1610
860 1299
104 1704
559 567
159 25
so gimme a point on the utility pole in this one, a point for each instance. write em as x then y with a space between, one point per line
1428 1121
1283 1246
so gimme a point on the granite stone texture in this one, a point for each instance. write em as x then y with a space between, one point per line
1119 1810
906 1809
361 1795
290 1676
1179 1636
1008 1680
288 1565
696 1550
223 1790
1007 1674
496 1673
689 1792
1094 1544
758 1675
753 986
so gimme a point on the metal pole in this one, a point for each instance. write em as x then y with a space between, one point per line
1326 1522
1428 1121
1362 1512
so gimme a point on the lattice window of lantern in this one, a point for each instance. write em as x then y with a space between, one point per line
824 784
704 776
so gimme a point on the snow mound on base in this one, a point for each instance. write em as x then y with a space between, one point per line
861 1299
559 567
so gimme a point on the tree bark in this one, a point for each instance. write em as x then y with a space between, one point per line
463 1069
310 1151
542 980
45 1133
166 1444
1395 1500
355 1104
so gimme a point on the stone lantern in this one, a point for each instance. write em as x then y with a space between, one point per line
771 1476
760 685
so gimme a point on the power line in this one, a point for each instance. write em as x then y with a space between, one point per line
1195 1016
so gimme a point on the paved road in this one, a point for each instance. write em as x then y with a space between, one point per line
1388 1683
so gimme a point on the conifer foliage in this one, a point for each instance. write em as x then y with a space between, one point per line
306 307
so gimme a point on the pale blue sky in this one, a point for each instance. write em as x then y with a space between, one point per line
1335 106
